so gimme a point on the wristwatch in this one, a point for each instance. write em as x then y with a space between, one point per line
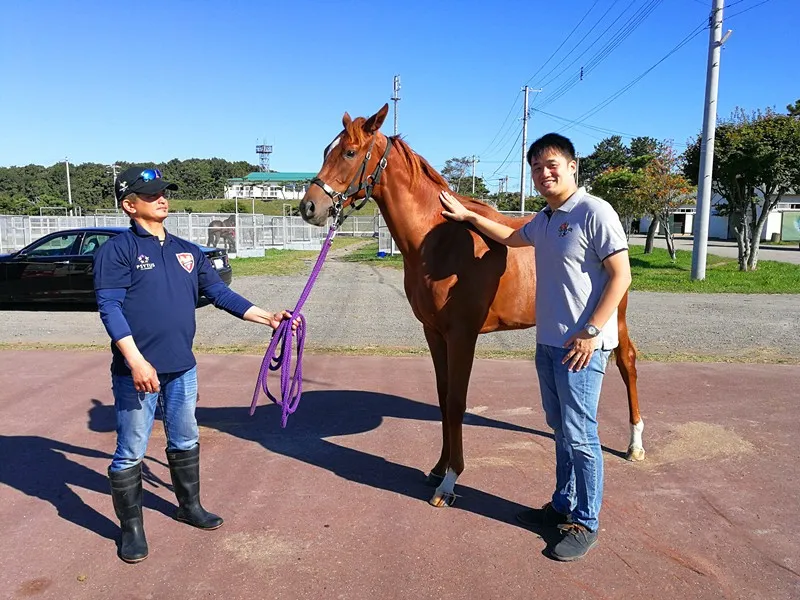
591 330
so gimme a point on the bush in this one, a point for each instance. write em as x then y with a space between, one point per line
229 206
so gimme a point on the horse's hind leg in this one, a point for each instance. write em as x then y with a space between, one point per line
626 362
460 356
438 348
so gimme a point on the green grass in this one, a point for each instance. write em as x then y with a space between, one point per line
651 273
369 255
657 273
270 207
284 262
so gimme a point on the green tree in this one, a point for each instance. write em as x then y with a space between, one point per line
756 162
662 189
92 184
455 171
609 153
620 188
794 109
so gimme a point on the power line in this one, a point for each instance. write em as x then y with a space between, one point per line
746 9
510 112
505 160
586 125
619 36
604 130
561 45
598 107
586 37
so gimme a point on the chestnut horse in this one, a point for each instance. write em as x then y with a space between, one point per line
458 282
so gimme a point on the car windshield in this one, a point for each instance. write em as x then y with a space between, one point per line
56 246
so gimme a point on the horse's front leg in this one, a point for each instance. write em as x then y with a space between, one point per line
460 356
438 348
626 362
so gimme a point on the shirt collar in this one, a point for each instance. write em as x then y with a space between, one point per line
142 232
573 200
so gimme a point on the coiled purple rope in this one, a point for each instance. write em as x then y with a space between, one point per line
291 385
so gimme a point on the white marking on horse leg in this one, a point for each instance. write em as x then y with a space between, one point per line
635 448
444 494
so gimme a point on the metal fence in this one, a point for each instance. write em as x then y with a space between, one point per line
243 233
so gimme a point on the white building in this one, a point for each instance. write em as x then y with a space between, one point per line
782 223
269 186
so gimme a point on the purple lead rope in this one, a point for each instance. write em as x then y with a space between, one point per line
291 385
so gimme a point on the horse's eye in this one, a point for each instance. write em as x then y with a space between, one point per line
350 153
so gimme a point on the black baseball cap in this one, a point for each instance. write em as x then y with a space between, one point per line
141 180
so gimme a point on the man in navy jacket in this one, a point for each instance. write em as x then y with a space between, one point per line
147 284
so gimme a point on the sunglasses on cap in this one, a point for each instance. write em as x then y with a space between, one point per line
149 175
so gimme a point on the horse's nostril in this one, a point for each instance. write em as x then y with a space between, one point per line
309 208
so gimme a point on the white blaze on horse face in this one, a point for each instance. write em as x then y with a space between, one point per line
331 146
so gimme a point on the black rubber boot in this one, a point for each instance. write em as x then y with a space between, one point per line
126 492
184 467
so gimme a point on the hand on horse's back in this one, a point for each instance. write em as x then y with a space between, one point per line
453 208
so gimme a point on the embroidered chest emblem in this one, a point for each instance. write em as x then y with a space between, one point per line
187 260
564 229
144 263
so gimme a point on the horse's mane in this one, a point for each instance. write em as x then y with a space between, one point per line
419 168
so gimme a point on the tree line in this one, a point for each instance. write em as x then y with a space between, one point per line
756 163
24 190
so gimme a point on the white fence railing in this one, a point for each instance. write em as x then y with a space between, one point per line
238 233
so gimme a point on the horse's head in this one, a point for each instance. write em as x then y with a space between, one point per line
350 167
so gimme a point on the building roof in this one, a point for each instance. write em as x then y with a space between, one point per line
272 176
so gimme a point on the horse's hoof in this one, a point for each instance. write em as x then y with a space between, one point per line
442 499
635 454
434 479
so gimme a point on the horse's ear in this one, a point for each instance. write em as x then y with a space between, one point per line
346 120
374 123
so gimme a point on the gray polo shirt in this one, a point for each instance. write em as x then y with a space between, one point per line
571 244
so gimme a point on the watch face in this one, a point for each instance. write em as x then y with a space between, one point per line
592 330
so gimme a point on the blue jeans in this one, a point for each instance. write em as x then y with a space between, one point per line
136 411
570 403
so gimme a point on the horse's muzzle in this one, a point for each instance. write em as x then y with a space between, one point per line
311 213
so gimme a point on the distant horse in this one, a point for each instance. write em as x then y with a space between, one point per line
458 282
223 230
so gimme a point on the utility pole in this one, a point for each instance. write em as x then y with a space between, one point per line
114 168
524 161
715 41
69 187
525 89
475 159
395 98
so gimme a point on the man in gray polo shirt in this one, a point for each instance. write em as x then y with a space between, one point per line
582 274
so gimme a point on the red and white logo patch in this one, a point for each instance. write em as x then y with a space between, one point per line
187 260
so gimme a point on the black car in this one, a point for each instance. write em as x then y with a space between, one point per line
58 268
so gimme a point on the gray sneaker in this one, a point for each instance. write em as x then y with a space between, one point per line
575 543
547 516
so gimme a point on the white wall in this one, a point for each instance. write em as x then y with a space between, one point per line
263 192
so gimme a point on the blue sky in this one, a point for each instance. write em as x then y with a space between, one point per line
151 81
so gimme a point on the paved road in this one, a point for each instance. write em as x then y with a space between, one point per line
360 305
789 254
